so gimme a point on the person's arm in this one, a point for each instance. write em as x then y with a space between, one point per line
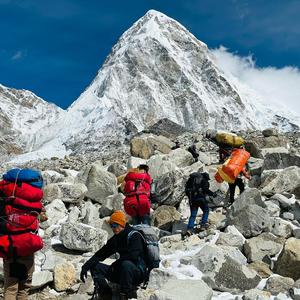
103 253
246 174
205 188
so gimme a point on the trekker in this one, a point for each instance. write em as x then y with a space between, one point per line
192 149
128 271
238 182
197 190
137 191
20 206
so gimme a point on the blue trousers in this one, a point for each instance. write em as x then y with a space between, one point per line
194 210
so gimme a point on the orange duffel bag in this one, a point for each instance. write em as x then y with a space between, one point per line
233 166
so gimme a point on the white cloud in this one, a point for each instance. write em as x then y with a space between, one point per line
273 84
17 55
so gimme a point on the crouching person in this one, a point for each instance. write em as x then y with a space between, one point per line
128 271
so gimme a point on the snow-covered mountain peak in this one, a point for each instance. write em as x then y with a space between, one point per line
158 70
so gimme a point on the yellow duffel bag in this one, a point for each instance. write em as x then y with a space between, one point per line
229 139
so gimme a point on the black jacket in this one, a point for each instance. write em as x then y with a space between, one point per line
129 249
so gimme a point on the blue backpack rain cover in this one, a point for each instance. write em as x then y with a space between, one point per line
29 176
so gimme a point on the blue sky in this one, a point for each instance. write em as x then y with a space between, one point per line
55 48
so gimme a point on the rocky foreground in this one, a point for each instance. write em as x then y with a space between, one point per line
251 250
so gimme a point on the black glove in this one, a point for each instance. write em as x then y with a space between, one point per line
87 266
83 273
215 194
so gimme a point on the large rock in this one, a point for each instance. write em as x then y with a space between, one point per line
281 228
160 165
233 239
262 269
180 158
270 132
164 217
249 197
82 237
250 221
68 192
72 193
222 271
255 145
145 146
170 188
99 182
288 262
64 276
281 161
288 180
256 294
278 284
56 211
90 214
178 289
41 278
112 203
262 247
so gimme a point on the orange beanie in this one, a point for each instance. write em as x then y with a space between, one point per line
118 217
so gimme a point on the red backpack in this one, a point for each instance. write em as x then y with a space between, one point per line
20 206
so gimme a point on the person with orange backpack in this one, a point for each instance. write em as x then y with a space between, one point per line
20 207
137 191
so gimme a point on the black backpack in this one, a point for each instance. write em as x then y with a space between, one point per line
193 187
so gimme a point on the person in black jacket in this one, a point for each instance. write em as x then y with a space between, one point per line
197 190
129 270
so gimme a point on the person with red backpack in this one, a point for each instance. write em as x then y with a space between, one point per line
20 207
137 191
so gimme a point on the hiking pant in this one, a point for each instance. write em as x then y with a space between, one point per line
145 219
238 182
194 210
15 288
128 275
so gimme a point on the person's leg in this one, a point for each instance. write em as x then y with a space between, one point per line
192 218
101 274
11 284
205 209
240 184
231 191
130 277
146 219
25 285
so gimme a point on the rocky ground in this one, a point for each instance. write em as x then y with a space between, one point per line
251 250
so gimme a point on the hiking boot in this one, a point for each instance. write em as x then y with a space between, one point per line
188 233
129 295
204 226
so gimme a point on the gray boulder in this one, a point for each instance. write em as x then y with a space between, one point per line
281 161
270 132
170 188
223 272
164 217
99 182
288 262
278 284
180 158
288 180
281 228
56 211
250 221
82 237
178 289
262 247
